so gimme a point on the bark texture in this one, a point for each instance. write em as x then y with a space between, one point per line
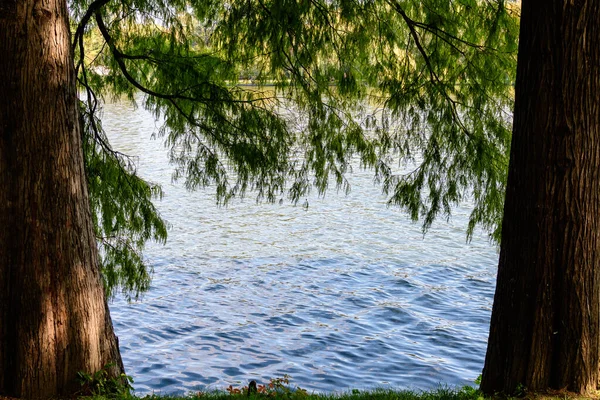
54 318
545 320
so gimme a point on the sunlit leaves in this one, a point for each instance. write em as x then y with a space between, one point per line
443 70
420 91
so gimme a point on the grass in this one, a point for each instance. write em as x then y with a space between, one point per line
377 394
99 386
464 393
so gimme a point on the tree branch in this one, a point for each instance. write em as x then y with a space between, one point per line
92 9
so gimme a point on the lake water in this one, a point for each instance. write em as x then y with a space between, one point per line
347 293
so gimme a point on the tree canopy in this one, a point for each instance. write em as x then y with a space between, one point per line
439 75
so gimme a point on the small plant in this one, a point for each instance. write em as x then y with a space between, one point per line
100 383
520 390
277 387
471 392
233 391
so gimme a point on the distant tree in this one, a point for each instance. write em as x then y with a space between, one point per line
545 320
442 71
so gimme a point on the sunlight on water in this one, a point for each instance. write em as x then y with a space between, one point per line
345 294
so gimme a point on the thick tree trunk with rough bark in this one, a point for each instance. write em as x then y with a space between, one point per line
54 318
545 320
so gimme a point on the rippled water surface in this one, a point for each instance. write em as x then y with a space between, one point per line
347 293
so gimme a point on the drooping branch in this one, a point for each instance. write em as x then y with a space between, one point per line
92 104
92 9
120 57
434 76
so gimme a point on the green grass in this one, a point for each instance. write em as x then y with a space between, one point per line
99 386
466 393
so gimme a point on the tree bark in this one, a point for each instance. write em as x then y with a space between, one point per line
54 319
545 326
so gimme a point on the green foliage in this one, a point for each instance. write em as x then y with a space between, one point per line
443 70
471 391
395 85
122 211
101 385
520 390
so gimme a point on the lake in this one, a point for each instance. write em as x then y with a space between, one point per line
346 293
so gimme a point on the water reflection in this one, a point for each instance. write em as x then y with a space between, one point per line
346 293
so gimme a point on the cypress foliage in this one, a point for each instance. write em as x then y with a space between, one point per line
123 214
438 73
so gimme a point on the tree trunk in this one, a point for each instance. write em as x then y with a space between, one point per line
545 320
54 318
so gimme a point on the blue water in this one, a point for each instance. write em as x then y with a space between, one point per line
346 293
